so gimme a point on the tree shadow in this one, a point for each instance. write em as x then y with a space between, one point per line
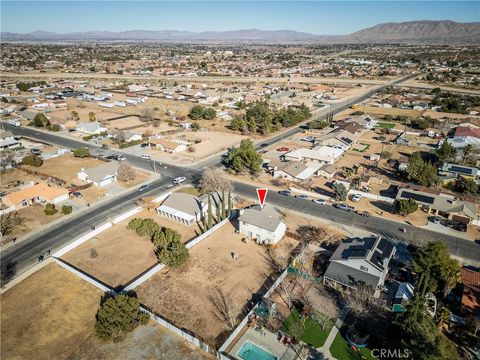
9 270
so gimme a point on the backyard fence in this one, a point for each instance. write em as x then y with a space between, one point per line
206 234
127 215
143 277
41 174
87 277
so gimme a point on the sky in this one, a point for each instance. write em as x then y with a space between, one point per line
317 17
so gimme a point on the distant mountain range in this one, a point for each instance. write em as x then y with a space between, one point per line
418 32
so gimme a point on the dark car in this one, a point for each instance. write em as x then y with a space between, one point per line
264 145
77 194
363 213
302 197
104 146
35 151
143 188
285 192
143 145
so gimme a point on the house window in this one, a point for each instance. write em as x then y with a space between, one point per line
363 268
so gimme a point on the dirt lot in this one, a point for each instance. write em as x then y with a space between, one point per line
140 177
66 167
48 315
34 218
11 176
121 254
211 142
145 342
183 295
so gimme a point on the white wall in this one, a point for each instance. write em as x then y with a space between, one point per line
262 234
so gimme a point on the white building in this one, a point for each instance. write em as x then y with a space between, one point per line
100 175
262 224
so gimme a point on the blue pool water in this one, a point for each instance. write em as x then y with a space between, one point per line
250 351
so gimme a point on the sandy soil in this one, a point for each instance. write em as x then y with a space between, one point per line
390 111
48 315
183 295
91 195
13 175
34 217
66 167
124 123
211 142
140 177
145 342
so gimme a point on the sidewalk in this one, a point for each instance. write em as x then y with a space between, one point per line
325 349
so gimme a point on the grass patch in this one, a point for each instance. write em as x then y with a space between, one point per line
189 190
342 350
365 148
385 125
313 333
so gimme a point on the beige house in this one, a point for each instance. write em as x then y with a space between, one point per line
167 145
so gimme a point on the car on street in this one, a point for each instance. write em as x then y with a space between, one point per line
15 123
179 180
285 192
143 187
111 157
105 147
343 207
363 213
319 201
146 157
301 196
35 151
143 145
356 197
308 139
437 220
77 194
121 158
264 145
283 149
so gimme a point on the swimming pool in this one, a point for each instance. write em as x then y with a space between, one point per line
250 351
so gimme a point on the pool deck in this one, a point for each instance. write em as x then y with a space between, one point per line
264 339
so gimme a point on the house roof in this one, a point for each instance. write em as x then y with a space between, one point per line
439 202
185 203
42 190
471 288
298 169
266 218
167 144
89 126
329 168
467 131
100 172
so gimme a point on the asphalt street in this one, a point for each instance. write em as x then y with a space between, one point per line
25 253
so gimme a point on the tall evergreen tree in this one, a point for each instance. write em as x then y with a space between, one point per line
210 217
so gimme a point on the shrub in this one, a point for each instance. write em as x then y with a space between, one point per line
40 120
117 316
173 254
50 209
209 114
406 206
32 160
81 153
340 191
196 112
67 209
129 143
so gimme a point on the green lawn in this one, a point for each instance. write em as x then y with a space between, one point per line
342 350
385 125
189 190
313 333
365 148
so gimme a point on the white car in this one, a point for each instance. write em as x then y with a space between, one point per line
121 158
319 201
179 180
146 157
356 197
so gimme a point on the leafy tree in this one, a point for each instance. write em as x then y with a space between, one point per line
209 113
340 191
40 120
75 115
209 215
238 123
318 124
259 116
406 206
173 254
91 116
244 158
32 160
144 227
50 209
117 316
195 126
446 152
81 153
423 172
463 186
166 236
196 112
467 150
67 209
420 123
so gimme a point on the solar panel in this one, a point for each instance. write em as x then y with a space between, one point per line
460 169
360 253
419 197
377 259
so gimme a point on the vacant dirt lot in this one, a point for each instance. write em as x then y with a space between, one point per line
66 167
9 178
120 253
48 315
184 295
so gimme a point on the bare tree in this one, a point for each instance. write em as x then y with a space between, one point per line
213 179
361 301
118 136
9 221
147 114
310 233
287 292
277 261
8 159
147 203
328 309
126 172
226 309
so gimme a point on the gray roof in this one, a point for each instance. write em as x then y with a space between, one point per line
350 276
186 203
102 171
89 126
266 218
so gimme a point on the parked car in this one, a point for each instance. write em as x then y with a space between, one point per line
15 123
146 157
77 194
143 187
179 180
303 197
356 197
35 151
285 192
105 147
308 139
363 213
143 145
343 207
121 158
319 201
264 145
437 220
111 157
283 149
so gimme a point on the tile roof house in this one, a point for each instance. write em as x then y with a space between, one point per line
444 205
167 145
38 193
263 224
465 135
100 175
471 290
360 261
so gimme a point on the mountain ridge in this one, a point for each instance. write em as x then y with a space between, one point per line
422 31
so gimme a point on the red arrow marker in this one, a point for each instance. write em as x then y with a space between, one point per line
262 195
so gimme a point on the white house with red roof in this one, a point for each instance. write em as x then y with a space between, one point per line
465 135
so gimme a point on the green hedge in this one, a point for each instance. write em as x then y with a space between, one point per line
130 143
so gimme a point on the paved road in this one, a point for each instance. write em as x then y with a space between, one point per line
25 253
